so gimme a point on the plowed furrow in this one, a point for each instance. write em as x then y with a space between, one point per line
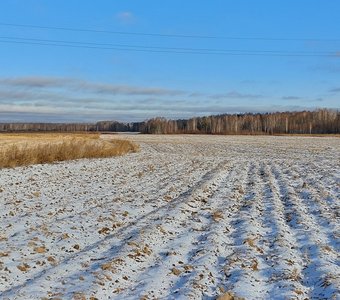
320 272
117 241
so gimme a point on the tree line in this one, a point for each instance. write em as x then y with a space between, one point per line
111 126
322 121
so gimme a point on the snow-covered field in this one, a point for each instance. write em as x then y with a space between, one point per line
188 217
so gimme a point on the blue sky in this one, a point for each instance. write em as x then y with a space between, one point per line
292 59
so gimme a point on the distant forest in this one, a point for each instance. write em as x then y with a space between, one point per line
323 121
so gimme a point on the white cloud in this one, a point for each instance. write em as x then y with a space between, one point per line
126 17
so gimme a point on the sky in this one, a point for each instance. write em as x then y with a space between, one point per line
85 61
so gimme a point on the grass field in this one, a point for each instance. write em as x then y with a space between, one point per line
35 148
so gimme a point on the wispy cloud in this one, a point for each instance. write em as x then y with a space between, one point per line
121 111
235 95
81 85
34 82
126 17
55 99
128 90
335 90
6 95
66 98
197 94
291 98
328 68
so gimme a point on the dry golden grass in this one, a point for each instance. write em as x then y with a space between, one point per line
27 149
6 138
228 296
217 215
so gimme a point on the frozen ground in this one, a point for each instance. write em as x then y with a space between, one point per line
188 217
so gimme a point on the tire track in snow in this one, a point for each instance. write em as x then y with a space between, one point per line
23 238
158 239
192 223
202 256
101 199
111 244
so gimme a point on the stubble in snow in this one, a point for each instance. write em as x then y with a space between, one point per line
188 217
